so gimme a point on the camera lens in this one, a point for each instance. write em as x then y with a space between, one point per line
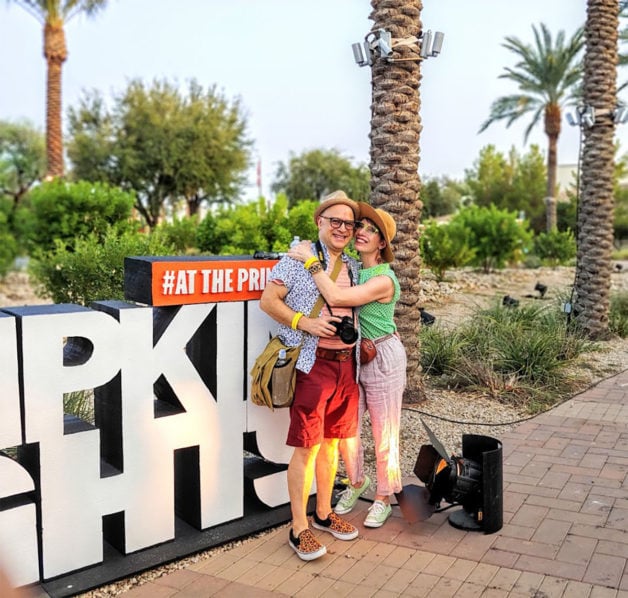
346 331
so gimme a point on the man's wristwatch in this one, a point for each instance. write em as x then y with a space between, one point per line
315 268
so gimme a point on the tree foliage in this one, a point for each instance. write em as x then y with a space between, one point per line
22 160
440 196
316 173
163 144
8 244
514 183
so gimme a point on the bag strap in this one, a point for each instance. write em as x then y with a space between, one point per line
319 302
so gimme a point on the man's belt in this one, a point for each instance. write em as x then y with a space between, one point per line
334 354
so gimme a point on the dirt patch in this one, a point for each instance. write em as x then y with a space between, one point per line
464 290
16 290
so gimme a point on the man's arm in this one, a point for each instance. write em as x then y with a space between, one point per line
272 302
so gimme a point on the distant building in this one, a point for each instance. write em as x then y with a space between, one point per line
566 180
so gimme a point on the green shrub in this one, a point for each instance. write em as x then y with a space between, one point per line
180 233
495 235
245 229
94 269
445 246
555 248
62 212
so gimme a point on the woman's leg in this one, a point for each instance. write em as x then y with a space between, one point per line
384 383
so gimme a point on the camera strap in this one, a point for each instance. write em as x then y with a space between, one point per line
333 276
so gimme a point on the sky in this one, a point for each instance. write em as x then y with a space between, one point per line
290 64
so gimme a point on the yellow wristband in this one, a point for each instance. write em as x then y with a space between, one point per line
310 261
295 320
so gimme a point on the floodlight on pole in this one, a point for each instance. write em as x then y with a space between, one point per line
380 44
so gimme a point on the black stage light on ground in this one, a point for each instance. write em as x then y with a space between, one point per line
541 288
619 267
473 480
427 319
509 301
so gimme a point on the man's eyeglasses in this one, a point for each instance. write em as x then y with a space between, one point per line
367 228
338 222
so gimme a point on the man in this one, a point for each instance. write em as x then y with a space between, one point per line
325 406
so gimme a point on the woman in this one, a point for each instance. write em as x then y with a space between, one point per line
383 379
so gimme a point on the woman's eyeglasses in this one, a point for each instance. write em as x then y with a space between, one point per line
367 228
338 222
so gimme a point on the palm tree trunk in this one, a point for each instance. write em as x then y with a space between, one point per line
595 214
552 130
55 53
552 167
395 183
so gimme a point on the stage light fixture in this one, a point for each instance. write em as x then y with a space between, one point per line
380 44
620 116
427 319
437 44
588 117
573 121
384 43
509 301
541 288
619 267
426 44
473 481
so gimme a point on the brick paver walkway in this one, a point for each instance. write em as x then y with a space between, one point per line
565 529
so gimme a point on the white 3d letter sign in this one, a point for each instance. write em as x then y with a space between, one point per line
170 387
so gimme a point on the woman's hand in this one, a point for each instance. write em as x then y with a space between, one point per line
301 252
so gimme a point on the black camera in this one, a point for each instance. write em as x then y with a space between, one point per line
346 331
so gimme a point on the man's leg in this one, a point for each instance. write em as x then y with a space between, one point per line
300 475
326 466
324 518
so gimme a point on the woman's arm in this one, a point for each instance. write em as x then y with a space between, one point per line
379 288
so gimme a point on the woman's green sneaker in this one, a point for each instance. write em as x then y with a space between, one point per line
349 496
378 513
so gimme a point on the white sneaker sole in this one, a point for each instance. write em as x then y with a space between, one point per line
309 556
339 536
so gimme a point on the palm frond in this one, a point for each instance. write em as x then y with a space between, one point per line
509 108
545 73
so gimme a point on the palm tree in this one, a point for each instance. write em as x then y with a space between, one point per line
394 160
595 212
623 39
546 75
53 15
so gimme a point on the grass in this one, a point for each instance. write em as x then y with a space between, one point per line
521 356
